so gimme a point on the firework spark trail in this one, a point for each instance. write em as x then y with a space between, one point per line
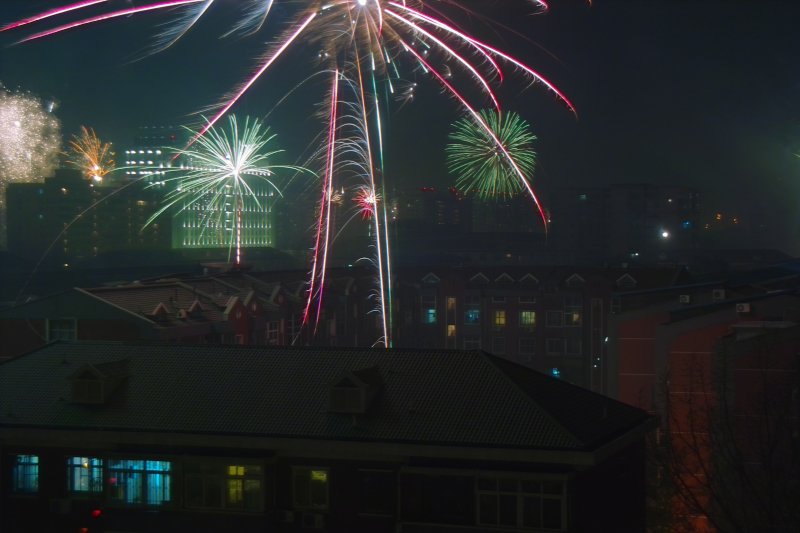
325 201
108 16
219 165
257 75
356 35
52 13
378 245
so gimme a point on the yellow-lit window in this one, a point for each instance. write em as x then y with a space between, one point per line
499 318
451 330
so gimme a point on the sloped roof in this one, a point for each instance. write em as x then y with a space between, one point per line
457 398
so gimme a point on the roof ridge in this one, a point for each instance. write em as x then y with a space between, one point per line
490 358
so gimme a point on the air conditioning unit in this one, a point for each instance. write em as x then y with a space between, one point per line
685 298
718 295
743 308
313 521
286 517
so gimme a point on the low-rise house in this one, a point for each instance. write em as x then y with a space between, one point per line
125 437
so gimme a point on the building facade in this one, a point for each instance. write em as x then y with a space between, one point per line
163 438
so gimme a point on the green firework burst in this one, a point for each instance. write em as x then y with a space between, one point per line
479 165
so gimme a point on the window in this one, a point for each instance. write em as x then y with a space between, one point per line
498 345
451 330
134 481
498 299
527 299
273 332
554 346
527 346
472 342
65 329
527 319
310 488
499 319
521 503
472 316
574 346
85 474
429 308
451 303
378 492
554 319
25 477
573 310
573 318
429 316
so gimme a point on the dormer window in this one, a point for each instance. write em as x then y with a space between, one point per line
94 384
626 281
355 392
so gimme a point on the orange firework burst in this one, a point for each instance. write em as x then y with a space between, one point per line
90 155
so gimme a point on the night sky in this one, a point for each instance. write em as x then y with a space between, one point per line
702 93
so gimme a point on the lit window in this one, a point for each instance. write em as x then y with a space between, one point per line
310 488
139 481
25 477
429 316
84 474
572 318
499 318
429 309
472 316
451 330
527 319
451 303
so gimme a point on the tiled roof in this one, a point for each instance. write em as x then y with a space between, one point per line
435 397
144 299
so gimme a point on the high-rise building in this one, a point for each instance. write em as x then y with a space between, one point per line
68 219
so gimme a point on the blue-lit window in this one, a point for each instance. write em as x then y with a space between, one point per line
84 474
429 316
139 482
472 316
26 474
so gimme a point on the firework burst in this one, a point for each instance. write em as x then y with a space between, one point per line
475 160
90 155
30 141
218 178
363 44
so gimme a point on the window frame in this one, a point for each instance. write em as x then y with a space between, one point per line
145 475
524 325
216 473
547 349
94 467
73 329
520 495
26 468
549 322
311 506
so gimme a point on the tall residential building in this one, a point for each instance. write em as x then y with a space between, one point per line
68 219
